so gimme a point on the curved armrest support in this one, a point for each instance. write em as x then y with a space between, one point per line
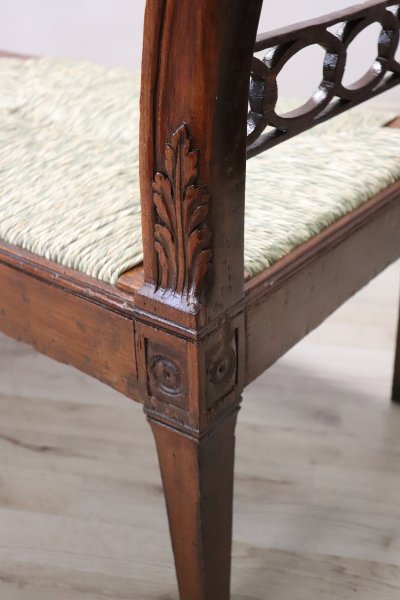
196 67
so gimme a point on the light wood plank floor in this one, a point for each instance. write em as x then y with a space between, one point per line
317 511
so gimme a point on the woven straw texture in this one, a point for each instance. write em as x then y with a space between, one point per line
69 170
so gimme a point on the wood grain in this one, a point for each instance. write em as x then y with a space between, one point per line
198 484
131 281
199 82
69 328
192 355
194 102
317 443
74 282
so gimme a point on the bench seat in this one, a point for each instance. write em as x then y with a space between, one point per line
70 184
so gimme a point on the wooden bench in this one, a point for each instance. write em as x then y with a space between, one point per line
184 333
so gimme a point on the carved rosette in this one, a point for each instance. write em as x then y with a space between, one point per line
165 376
183 237
190 384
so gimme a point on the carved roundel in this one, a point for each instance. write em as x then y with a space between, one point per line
223 369
166 375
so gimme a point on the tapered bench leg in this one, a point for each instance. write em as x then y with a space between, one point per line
396 376
198 483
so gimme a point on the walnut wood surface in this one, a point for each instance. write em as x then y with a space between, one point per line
184 334
334 33
275 317
70 280
318 452
69 328
131 281
200 81
198 482
359 10
192 171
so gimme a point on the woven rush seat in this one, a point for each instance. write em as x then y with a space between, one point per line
69 171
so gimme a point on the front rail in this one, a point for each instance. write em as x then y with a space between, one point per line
266 128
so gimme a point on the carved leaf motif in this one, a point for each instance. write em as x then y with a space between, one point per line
183 237
162 210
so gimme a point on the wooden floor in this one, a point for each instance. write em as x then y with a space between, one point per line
317 512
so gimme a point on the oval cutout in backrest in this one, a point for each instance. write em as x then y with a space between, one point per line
362 54
300 78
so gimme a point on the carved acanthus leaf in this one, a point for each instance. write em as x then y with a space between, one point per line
183 237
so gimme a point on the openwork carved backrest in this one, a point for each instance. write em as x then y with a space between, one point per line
334 33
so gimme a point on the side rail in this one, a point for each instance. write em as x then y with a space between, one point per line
266 127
